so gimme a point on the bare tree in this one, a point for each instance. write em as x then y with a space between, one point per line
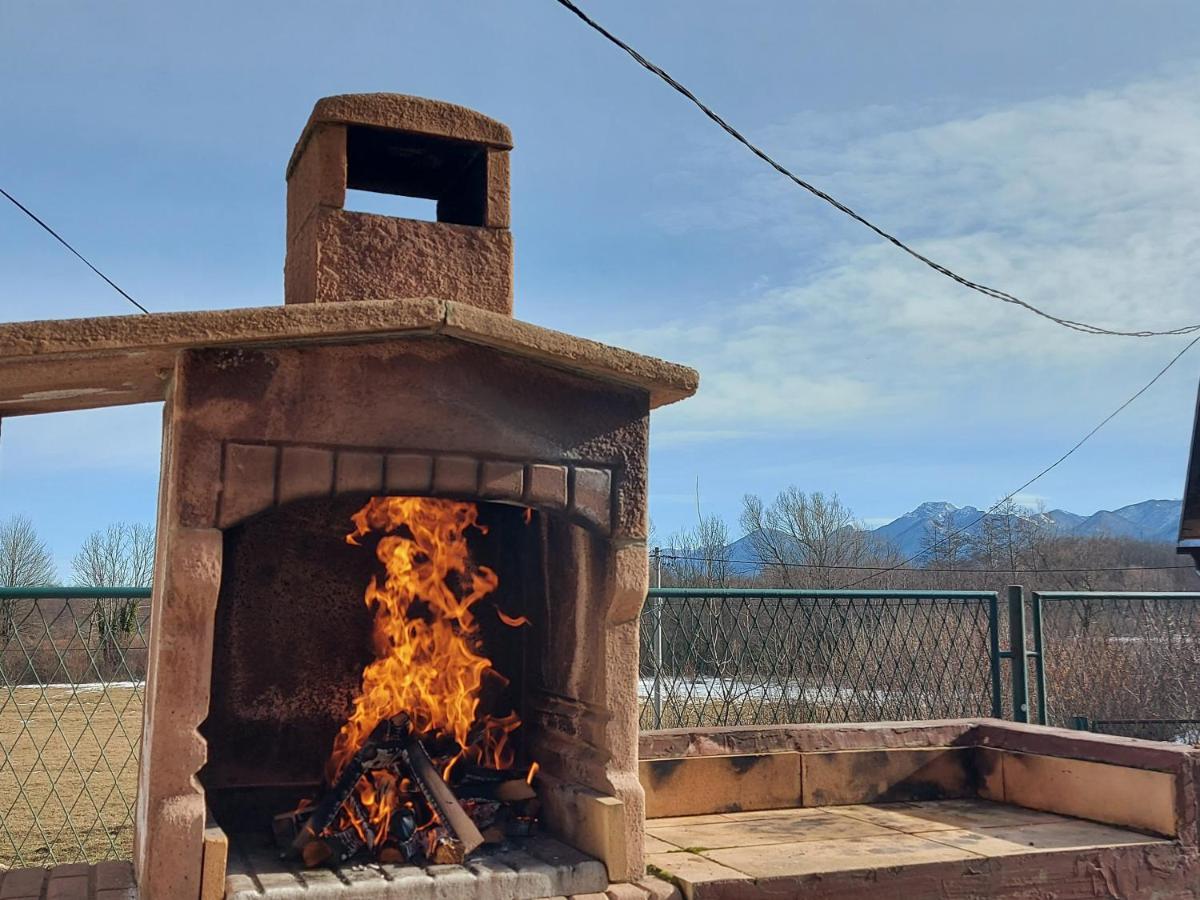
25 561
121 555
1005 537
803 538
945 545
699 556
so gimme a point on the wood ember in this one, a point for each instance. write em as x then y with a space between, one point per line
332 849
443 848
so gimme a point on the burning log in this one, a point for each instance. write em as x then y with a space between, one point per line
362 822
508 790
438 795
390 745
379 751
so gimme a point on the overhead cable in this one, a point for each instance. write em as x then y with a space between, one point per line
987 291
116 287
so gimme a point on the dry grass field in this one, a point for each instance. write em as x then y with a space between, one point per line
68 772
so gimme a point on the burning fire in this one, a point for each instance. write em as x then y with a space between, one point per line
427 661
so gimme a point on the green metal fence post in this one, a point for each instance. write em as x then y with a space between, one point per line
994 653
1017 652
1039 662
657 644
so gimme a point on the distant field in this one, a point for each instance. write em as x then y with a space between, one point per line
68 772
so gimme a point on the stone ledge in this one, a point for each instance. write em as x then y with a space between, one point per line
57 365
1090 780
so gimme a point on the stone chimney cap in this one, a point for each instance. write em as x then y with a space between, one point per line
401 112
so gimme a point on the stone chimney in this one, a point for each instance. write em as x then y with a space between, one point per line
395 144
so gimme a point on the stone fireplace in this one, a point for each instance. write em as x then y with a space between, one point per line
393 369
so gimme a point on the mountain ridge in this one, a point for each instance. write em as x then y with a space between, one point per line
1156 521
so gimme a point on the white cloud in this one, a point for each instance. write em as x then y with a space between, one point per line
1087 206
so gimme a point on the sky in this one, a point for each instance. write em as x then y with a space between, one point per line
1052 150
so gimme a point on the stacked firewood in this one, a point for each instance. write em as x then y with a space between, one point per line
432 822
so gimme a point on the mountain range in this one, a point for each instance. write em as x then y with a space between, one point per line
1151 520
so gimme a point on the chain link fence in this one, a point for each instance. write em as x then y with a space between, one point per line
73 664
72 676
747 657
1121 663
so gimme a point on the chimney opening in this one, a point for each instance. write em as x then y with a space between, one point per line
451 173
396 205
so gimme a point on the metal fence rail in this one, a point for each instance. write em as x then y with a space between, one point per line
1115 659
759 657
72 673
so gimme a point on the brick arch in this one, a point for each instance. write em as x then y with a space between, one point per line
258 476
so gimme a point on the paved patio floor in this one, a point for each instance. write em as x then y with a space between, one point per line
75 881
710 856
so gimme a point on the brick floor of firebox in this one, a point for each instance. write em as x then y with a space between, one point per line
708 856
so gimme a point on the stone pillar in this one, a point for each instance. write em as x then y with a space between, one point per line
169 823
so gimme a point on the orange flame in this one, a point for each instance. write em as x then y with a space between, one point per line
427 660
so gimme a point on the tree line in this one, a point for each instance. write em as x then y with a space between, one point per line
120 555
803 539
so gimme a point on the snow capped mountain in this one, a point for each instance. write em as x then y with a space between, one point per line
1150 520
909 530
1159 518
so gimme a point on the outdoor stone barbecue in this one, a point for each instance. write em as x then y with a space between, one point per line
465 644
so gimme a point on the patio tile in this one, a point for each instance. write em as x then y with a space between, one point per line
971 814
652 844
809 857
789 827
896 816
1017 839
692 871
654 824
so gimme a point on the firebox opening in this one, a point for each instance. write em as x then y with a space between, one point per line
294 636
452 173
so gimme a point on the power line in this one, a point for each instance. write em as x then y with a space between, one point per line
62 241
994 293
789 565
1083 440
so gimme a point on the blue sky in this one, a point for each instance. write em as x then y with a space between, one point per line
1050 149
